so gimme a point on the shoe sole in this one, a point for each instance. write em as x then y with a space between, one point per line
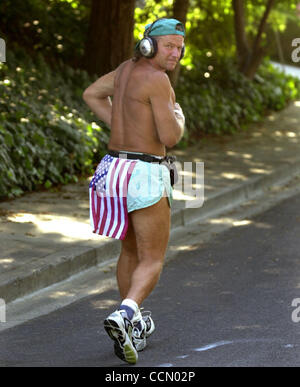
126 351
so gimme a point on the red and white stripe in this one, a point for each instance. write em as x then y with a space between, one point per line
108 209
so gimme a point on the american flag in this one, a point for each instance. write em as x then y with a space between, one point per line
108 197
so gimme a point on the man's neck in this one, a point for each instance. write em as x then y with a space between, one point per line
151 62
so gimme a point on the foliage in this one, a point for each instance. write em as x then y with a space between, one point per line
210 25
47 134
217 99
56 28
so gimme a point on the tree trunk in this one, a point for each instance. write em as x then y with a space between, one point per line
243 50
249 59
110 35
180 9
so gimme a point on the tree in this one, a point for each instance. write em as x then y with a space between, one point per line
249 58
180 10
110 35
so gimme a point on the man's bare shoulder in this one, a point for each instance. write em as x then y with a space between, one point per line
128 62
157 82
158 77
120 69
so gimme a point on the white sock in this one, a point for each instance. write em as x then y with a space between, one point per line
131 303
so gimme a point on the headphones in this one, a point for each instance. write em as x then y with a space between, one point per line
148 45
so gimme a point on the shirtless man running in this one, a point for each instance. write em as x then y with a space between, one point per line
144 119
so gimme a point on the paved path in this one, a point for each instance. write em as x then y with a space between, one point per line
225 303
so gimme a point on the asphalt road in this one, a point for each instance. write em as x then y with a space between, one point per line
227 303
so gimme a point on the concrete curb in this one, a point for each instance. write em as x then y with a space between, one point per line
57 267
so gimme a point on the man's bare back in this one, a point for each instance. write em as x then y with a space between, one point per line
144 116
133 125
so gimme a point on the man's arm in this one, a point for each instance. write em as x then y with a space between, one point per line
97 97
168 116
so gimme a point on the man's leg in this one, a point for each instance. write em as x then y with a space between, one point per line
128 261
151 227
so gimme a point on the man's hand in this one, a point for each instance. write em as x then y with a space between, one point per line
178 112
179 115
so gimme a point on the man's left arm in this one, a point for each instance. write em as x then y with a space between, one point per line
97 97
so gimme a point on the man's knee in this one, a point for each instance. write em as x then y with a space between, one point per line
152 258
129 243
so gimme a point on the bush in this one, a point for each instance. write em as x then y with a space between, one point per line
55 28
226 101
47 133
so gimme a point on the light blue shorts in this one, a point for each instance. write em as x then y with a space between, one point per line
149 182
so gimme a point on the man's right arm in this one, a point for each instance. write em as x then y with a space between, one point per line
170 127
97 97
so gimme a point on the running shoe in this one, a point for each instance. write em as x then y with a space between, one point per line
119 329
142 329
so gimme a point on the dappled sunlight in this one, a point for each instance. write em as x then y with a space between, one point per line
247 156
240 223
230 221
77 286
260 171
68 227
60 294
104 304
6 263
181 195
184 247
297 103
233 222
234 175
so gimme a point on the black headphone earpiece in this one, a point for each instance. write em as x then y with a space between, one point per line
148 45
182 51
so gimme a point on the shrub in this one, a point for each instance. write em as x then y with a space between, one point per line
47 134
226 101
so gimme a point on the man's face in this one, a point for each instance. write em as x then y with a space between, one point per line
169 51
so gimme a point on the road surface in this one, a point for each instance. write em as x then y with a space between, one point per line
225 303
